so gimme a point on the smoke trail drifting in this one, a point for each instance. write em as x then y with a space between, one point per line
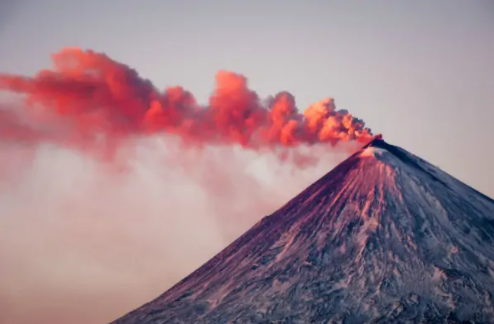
85 239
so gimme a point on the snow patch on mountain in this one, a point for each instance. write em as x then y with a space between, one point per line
372 151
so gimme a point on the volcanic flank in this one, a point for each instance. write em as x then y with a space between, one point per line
385 237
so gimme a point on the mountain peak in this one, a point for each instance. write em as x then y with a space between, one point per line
376 147
378 142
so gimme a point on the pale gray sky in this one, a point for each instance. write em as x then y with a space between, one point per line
421 72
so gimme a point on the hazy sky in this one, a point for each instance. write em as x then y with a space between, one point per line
420 72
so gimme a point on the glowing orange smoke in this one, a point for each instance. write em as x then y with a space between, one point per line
92 98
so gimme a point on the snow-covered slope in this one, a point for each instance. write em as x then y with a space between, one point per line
385 237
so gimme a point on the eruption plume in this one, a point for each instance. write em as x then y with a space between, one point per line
79 237
88 98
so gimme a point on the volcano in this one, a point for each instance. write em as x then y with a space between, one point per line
385 237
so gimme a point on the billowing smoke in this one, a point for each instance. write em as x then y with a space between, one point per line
111 190
95 97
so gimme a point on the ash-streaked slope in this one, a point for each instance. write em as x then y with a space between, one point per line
385 237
